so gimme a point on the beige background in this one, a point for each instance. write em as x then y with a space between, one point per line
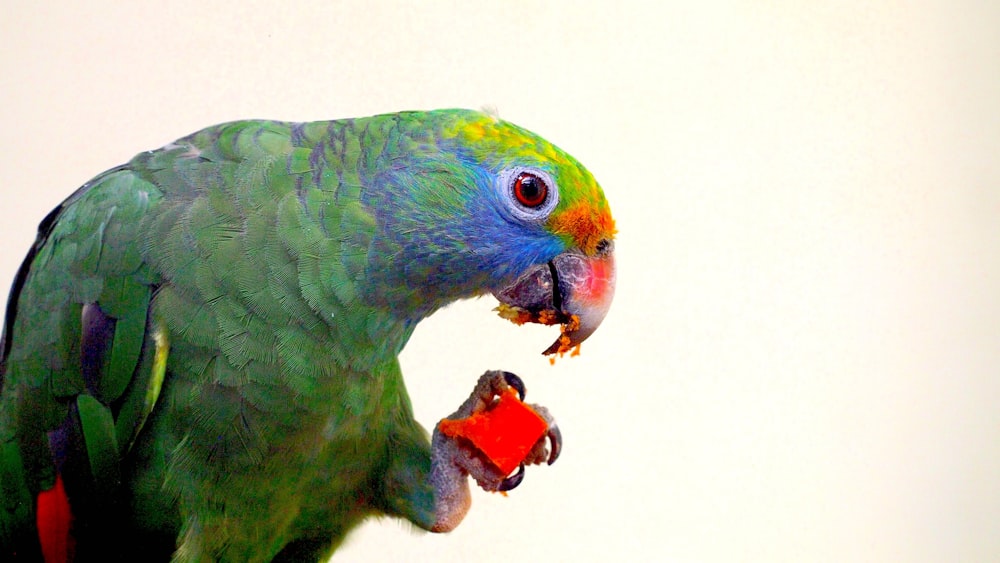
802 361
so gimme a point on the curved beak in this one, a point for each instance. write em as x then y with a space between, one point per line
572 289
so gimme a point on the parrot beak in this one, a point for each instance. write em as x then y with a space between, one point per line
572 289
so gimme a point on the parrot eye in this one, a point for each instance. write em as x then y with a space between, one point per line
529 193
530 190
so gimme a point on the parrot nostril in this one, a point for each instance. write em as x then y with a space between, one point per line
604 247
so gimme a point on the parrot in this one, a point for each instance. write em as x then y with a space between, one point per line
200 352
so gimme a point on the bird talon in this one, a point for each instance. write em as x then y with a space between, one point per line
555 442
515 382
512 481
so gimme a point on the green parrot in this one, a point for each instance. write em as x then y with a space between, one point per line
200 352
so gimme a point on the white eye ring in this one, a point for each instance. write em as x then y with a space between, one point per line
531 207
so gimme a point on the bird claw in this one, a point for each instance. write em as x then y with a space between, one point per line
515 382
512 481
555 440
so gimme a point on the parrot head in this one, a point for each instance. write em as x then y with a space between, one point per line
478 205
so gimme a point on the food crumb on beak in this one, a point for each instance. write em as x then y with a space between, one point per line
570 324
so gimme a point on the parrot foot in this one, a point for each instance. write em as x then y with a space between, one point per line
466 444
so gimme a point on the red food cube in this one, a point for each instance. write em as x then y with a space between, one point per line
504 433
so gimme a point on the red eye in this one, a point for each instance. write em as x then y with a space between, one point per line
530 190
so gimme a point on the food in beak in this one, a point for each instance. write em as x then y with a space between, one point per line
572 290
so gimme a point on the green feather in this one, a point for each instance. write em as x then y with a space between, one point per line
144 390
130 330
99 437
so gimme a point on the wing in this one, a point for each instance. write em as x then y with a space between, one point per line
80 364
